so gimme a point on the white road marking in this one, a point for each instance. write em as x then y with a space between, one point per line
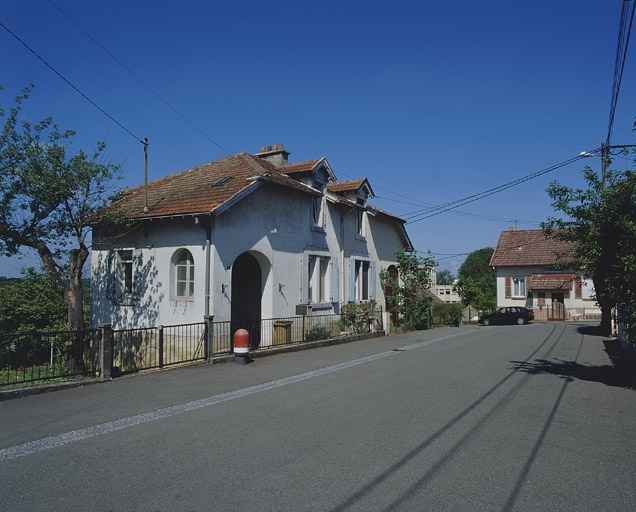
73 436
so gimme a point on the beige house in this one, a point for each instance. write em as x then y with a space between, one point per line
525 263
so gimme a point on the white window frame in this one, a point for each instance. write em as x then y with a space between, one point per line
183 275
362 278
319 279
123 272
318 220
518 287
124 280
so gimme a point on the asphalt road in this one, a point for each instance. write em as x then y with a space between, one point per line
474 418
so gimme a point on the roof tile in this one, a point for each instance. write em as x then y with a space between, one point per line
528 248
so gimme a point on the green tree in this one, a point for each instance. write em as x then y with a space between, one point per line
477 282
410 290
31 304
601 223
445 277
47 195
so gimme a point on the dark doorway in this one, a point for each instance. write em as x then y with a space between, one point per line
246 297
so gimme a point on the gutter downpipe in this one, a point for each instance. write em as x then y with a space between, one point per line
207 225
208 236
344 287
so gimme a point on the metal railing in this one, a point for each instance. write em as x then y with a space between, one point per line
155 347
44 356
36 357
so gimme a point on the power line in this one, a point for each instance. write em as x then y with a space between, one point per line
425 214
621 52
172 107
69 83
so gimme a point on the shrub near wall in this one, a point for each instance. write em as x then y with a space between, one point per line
445 313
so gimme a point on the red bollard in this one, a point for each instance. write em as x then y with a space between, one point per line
241 346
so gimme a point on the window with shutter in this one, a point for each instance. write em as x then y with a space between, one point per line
578 288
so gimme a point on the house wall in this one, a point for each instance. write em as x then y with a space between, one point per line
273 224
377 245
383 241
154 304
586 304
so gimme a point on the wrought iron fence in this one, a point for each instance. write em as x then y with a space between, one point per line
35 357
272 332
44 356
156 347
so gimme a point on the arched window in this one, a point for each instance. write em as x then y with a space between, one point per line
183 274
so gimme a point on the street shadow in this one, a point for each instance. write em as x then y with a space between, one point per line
621 373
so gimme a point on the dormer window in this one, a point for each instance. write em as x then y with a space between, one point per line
317 206
360 218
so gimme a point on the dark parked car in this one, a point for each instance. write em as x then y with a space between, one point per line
508 315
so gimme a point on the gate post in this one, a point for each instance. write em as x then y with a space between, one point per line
106 350
208 336
160 328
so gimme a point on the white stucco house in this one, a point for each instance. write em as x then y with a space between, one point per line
245 237
527 276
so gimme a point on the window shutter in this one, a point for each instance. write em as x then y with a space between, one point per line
508 292
137 274
110 273
527 283
303 289
351 296
578 288
334 295
372 280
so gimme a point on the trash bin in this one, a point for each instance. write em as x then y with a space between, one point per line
282 332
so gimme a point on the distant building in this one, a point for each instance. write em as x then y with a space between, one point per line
527 276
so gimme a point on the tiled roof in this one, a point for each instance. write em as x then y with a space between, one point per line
345 186
551 282
300 167
349 187
527 248
201 189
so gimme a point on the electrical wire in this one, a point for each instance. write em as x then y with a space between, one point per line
624 32
70 84
437 210
155 93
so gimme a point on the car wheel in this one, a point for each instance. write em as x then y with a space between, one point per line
486 321
521 321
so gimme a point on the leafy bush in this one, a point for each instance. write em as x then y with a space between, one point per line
408 294
317 333
357 317
445 313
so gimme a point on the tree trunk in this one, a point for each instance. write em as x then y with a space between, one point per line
73 295
603 301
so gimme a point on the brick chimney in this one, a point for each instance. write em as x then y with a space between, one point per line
274 154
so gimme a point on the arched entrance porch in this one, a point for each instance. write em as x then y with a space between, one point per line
247 295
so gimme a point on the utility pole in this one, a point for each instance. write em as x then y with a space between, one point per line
146 173
604 153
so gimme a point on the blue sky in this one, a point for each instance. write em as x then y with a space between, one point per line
431 101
